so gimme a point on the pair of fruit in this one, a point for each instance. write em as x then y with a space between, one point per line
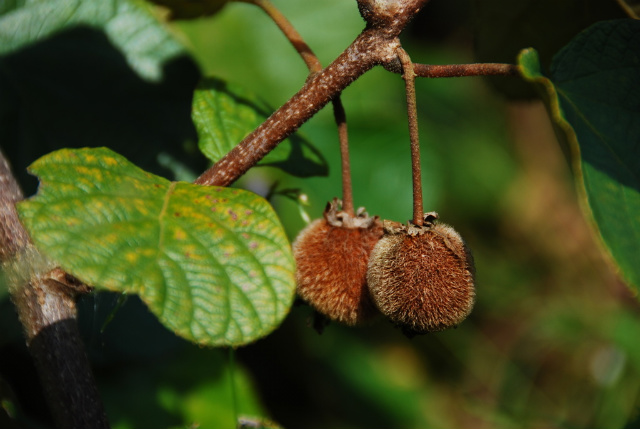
349 267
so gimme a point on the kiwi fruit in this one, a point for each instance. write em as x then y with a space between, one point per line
422 277
332 255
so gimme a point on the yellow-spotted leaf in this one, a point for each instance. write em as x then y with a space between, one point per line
212 263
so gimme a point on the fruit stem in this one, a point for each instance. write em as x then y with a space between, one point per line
314 66
347 190
409 76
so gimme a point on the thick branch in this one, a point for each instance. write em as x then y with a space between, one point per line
47 310
391 16
375 45
45 300
13 236
369 49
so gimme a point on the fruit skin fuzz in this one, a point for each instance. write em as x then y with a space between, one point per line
422 277
332 256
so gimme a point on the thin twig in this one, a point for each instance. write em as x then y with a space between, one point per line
462 70
409 77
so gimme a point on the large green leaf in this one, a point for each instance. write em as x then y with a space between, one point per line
224 114
594 95
212 263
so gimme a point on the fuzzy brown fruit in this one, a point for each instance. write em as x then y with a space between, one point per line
422 277
332 256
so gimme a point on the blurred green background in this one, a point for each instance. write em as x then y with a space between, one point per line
551 343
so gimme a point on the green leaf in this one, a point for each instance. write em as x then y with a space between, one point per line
224 114
9 5
146 44
213 264
594 97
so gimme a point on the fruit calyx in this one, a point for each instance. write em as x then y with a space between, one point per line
335 216
430 224
410 228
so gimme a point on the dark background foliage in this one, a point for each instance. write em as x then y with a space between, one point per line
552 340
